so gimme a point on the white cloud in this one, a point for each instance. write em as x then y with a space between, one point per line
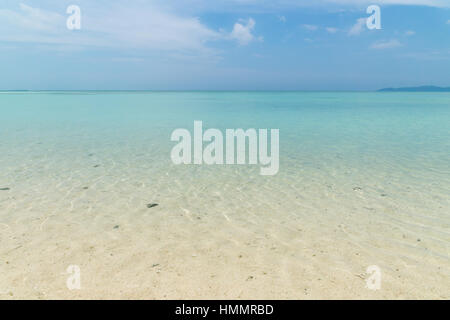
448 21
29 18
410 33
152 27
146 27
331 30
310 27
271 5
243 32
282 19
358 27
386 44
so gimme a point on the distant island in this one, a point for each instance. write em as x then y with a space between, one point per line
417 89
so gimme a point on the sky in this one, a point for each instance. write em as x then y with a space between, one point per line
223 45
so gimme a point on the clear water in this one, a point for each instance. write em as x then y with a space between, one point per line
365 177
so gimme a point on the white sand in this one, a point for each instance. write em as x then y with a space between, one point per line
218 232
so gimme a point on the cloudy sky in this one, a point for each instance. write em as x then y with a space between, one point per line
223 45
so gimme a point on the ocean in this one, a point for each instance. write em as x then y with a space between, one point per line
363 180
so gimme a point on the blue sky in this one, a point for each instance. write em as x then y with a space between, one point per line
223 45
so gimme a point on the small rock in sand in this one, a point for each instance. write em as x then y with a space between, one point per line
4 189
152 205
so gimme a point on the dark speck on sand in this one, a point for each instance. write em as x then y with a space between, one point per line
152 205
96 166
4 189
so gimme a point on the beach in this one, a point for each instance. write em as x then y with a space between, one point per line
87 180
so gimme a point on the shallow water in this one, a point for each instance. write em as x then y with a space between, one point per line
364 180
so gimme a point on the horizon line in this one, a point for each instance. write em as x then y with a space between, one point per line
416 88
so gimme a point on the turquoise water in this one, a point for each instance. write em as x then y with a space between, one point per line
358 170
364 129
399 124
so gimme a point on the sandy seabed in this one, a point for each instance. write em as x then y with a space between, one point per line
218 232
